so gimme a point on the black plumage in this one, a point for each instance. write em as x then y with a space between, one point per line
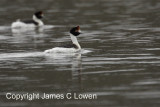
71 46
30 22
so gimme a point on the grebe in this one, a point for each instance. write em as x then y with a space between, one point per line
74 47
34 22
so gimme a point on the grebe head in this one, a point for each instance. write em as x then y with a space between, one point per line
39 14
75 31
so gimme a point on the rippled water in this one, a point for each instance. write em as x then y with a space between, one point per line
120 61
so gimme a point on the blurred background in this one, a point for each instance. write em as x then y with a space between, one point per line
120 60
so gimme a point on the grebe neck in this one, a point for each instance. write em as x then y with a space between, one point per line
39 21
75 41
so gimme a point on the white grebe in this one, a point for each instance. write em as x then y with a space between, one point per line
74 47
34 22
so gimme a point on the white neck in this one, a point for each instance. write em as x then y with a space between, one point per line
75 41
39 21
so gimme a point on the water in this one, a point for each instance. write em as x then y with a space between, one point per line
120 60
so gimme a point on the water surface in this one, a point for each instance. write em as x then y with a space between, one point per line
121 40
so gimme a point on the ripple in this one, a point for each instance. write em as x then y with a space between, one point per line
13 78
111 71
4 37
151 49
4 28
9 56
121 58
143 94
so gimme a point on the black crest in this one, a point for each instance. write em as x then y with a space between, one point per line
39 14
75 31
